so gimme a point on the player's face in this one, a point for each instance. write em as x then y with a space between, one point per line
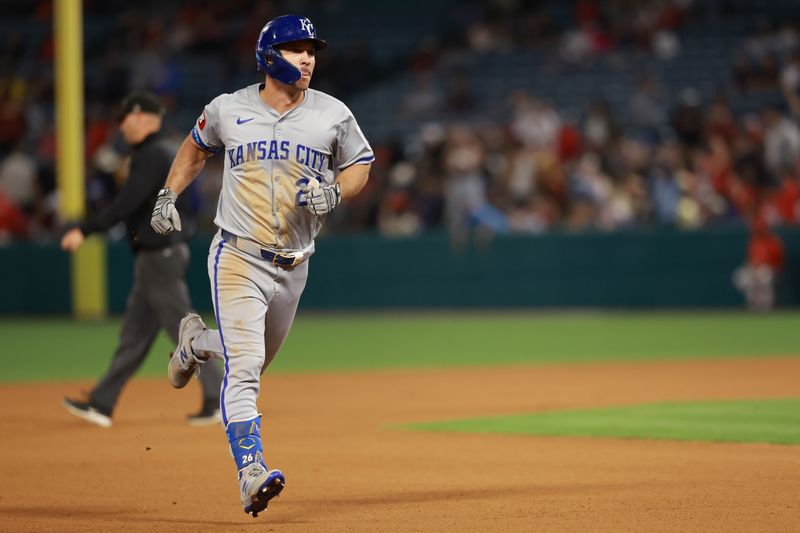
301 54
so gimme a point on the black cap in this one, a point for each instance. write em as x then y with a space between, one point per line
140 102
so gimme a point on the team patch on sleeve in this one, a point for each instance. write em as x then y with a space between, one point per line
201 121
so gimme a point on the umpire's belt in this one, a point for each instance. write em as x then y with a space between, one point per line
283 260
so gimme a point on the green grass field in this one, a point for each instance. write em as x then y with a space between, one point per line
769 421
60 349
55 349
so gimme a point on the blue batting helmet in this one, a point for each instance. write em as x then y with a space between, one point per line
281 30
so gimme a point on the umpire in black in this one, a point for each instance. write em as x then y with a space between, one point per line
159 297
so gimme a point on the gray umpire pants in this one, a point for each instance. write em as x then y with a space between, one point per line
159 299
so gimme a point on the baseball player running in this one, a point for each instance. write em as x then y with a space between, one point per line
292 154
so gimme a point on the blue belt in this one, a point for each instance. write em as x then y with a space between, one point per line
276 258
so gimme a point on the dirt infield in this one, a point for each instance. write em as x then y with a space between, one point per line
347 472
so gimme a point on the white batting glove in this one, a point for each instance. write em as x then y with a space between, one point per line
321 200
165 217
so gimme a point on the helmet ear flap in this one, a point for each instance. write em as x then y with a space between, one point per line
266 57
272 53
271 62
262 59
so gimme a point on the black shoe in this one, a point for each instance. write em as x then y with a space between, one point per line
91 413
208 415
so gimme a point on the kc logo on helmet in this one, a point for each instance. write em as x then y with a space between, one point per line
306 25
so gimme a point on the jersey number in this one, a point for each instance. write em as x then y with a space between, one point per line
302 183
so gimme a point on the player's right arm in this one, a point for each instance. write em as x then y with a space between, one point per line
199 145
188 163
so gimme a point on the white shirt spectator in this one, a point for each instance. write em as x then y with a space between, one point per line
782 145
537 127
18 178
790 76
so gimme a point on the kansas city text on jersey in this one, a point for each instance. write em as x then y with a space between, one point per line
273 149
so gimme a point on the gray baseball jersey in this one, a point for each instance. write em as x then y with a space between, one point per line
270 158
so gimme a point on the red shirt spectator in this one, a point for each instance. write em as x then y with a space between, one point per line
569 142
12 221
787 201
765 248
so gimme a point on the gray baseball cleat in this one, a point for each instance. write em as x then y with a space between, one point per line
258 486
183 363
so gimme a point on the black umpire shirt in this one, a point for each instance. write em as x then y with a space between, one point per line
150 163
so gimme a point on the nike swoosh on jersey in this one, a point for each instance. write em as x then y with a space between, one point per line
240 121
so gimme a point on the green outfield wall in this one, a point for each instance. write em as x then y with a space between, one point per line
641 269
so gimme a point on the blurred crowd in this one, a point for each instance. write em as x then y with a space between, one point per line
697 167
685 161
769 59
125 49
681 160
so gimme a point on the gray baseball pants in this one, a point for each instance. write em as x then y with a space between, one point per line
255 303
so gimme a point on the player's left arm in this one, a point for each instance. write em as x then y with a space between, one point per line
352 179
355 157
321 200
